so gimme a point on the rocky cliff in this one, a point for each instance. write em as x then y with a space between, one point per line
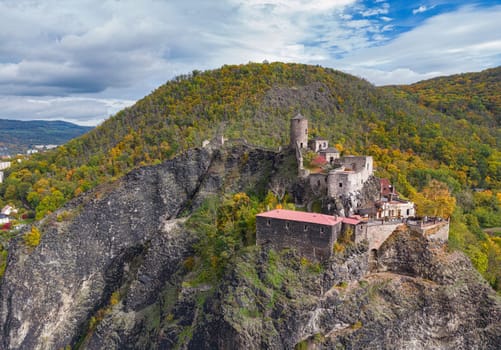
125 238
420 297
110 273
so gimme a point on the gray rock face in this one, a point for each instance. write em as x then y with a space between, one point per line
421 298
123 236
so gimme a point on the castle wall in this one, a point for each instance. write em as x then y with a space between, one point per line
362 165
342 182
314 241
318 183
378 233
435 232
357 171
359 231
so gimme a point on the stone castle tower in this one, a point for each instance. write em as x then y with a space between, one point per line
299 131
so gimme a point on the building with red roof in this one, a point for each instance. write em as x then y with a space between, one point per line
311 234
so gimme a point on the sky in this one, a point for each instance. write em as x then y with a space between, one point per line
84 60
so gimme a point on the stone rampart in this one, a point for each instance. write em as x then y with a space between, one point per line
435 231
378 232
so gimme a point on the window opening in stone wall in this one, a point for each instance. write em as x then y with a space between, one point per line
268 222
340 184
306 227
321 230
287 225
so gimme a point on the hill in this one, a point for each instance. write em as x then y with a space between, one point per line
471 96
411 142
17 136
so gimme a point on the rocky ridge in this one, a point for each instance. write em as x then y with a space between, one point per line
126 236
420 297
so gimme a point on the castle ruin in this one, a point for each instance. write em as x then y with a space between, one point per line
312 234
341 175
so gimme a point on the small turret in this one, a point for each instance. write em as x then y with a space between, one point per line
299 131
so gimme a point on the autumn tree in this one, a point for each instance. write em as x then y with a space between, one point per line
434 200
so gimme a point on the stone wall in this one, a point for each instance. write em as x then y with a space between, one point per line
435 232
377 233
359 164
351 177
343 182
318 183
359 231
311 240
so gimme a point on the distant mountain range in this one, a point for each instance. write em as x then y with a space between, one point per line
18 136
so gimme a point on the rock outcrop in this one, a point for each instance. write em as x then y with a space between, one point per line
421 298
126 236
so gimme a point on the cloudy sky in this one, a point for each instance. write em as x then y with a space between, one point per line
83 60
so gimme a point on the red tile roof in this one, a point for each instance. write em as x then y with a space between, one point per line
351 221
301 216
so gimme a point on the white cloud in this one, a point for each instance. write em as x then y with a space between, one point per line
383 10
462 41
420 9
80 110
98 55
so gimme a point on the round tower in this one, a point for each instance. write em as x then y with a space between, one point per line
299 131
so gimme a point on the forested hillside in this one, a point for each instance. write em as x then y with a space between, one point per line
17 136
471 96
414 133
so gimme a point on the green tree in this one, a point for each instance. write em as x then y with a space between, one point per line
49 203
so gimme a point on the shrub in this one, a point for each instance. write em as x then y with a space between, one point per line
32 238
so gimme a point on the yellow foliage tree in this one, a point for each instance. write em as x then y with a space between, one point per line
32 238
434 200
